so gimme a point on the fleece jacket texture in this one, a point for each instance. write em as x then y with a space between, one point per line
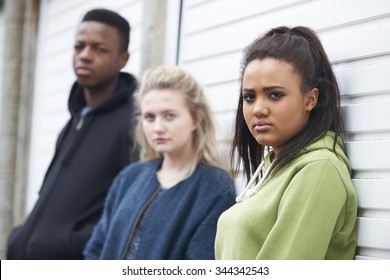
177 223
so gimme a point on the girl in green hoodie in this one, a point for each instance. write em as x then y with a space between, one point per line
299 202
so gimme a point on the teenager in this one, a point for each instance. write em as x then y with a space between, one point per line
91 149
167 206
299 202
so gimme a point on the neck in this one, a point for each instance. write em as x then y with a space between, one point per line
176 167
174 170
96 96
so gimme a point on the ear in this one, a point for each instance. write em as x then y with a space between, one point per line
197 119
311 99
123 58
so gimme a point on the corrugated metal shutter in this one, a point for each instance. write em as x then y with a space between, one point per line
355 36
54 74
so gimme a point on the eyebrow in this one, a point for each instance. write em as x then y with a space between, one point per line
162 112
88 42
264 89
272 88
247 90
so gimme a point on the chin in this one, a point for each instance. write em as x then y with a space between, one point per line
84 82
160 151
263 141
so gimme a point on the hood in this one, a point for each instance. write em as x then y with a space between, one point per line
325 142
125 87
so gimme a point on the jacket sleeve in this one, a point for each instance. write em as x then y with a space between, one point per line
13 248
309 210
94 246
201 245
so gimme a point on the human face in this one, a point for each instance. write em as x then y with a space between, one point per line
167 122
274 107
97 57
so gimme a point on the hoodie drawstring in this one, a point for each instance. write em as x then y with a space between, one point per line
251 189
83 114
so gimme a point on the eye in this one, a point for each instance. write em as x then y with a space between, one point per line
276 95
248 97
170 116
100 50
78 47
149 117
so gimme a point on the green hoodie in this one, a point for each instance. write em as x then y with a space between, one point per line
306 211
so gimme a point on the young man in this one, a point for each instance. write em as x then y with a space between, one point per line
91 149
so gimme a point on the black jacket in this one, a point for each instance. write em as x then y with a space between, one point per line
90 151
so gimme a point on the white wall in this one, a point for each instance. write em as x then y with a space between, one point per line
1 51
355 34
213 34
54 73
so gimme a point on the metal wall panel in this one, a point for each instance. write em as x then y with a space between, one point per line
1 49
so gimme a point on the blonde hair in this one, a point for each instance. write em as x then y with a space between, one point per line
204 140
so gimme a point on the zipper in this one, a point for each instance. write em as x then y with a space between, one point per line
84 112
137 220
80 123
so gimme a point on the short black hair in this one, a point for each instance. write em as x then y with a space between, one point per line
113 19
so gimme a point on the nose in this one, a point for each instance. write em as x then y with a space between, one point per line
260 108
86 53
158 125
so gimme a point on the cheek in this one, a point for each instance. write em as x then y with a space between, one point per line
146 127
293 121
74 59
185 130
246 114
106 65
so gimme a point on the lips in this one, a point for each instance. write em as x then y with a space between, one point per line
160 140
261 125
83 71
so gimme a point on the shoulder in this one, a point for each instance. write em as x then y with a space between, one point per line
318 162
325 149
320 172
324 159
133 174
213 178
140 168
213 173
